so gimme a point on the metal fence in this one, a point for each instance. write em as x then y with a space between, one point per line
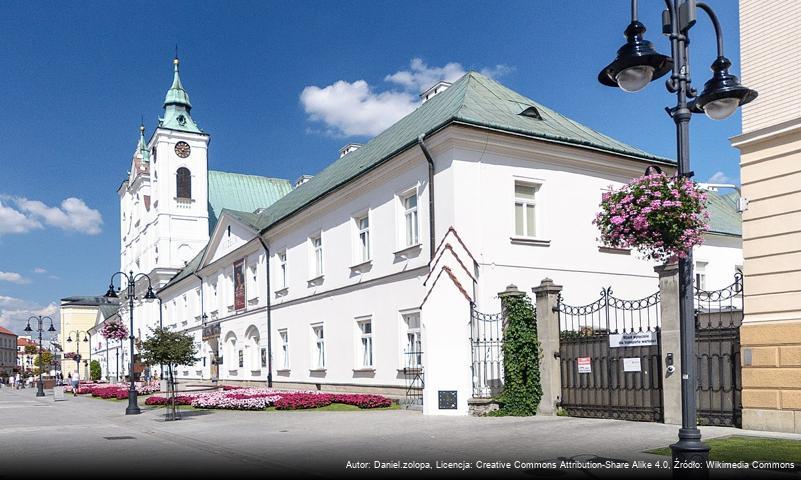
599 380
718 317
486 341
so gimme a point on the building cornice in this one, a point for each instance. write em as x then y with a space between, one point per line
748 139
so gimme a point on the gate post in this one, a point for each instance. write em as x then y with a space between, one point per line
546 294
670 341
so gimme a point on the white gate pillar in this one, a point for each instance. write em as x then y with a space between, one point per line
670 342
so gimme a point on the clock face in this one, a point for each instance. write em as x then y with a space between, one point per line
182 149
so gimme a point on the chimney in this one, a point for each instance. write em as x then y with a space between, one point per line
302 179
348 148
440 87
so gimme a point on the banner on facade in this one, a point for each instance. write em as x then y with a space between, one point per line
634 339
212 331
239 285
584 364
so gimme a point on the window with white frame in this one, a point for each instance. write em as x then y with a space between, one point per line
317 256
284 334
282 271
411 232
365 359
413 350
319 346
700 275
525 209
252 289
363 238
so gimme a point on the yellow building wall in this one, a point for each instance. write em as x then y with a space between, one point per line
770 169
77 319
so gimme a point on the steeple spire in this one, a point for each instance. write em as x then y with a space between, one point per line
141 147
177 105
176 95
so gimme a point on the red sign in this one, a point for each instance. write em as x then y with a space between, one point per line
239 285
584 364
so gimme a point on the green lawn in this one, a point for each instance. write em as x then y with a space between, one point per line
748 449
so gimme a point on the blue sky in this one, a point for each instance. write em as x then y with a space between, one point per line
280 86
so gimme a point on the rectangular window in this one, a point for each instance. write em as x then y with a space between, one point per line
363 224
525 210
284 349
263 358
413 350
241 359
366 344
282 270
317 256
319 346
700 275
410 219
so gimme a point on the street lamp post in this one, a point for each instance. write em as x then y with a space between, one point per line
77 346
130 278
636 65
40 319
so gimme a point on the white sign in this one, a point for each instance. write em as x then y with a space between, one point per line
584 364
58 393
636 339
631 365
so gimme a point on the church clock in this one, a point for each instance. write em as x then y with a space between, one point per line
182 149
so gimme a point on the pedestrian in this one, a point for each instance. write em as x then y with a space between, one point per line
17 382
76 380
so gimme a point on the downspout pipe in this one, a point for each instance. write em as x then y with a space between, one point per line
431 223
269 316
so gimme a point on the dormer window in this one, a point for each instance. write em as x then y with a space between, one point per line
183 183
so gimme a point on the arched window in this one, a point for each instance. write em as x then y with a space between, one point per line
184 183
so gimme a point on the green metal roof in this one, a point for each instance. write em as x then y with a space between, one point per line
724 218
473 100
244 193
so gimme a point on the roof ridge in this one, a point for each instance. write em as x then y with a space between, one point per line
250 175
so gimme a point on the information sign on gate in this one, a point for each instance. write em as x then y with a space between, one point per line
584 365
634 339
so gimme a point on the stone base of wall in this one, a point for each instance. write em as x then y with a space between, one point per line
771 375
479 407
788 421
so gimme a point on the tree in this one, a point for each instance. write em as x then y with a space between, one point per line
31 349
94 370
43 360
169 348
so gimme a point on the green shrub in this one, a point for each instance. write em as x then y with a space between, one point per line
521 359
95 370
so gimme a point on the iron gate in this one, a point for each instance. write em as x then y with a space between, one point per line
413 373
486 347
718 316
600 381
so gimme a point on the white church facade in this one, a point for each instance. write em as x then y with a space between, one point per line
362 277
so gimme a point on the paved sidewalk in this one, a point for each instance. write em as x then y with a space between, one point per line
43 436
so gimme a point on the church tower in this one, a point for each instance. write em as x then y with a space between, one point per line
164 202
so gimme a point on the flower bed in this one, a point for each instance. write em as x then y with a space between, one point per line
242 398
112 390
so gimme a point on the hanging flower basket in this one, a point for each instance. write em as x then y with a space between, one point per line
114 330
661 216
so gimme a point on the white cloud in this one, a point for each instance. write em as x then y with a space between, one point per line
13 277
13 221
719 177
354 109
72 215
15 312
39 270
357 109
